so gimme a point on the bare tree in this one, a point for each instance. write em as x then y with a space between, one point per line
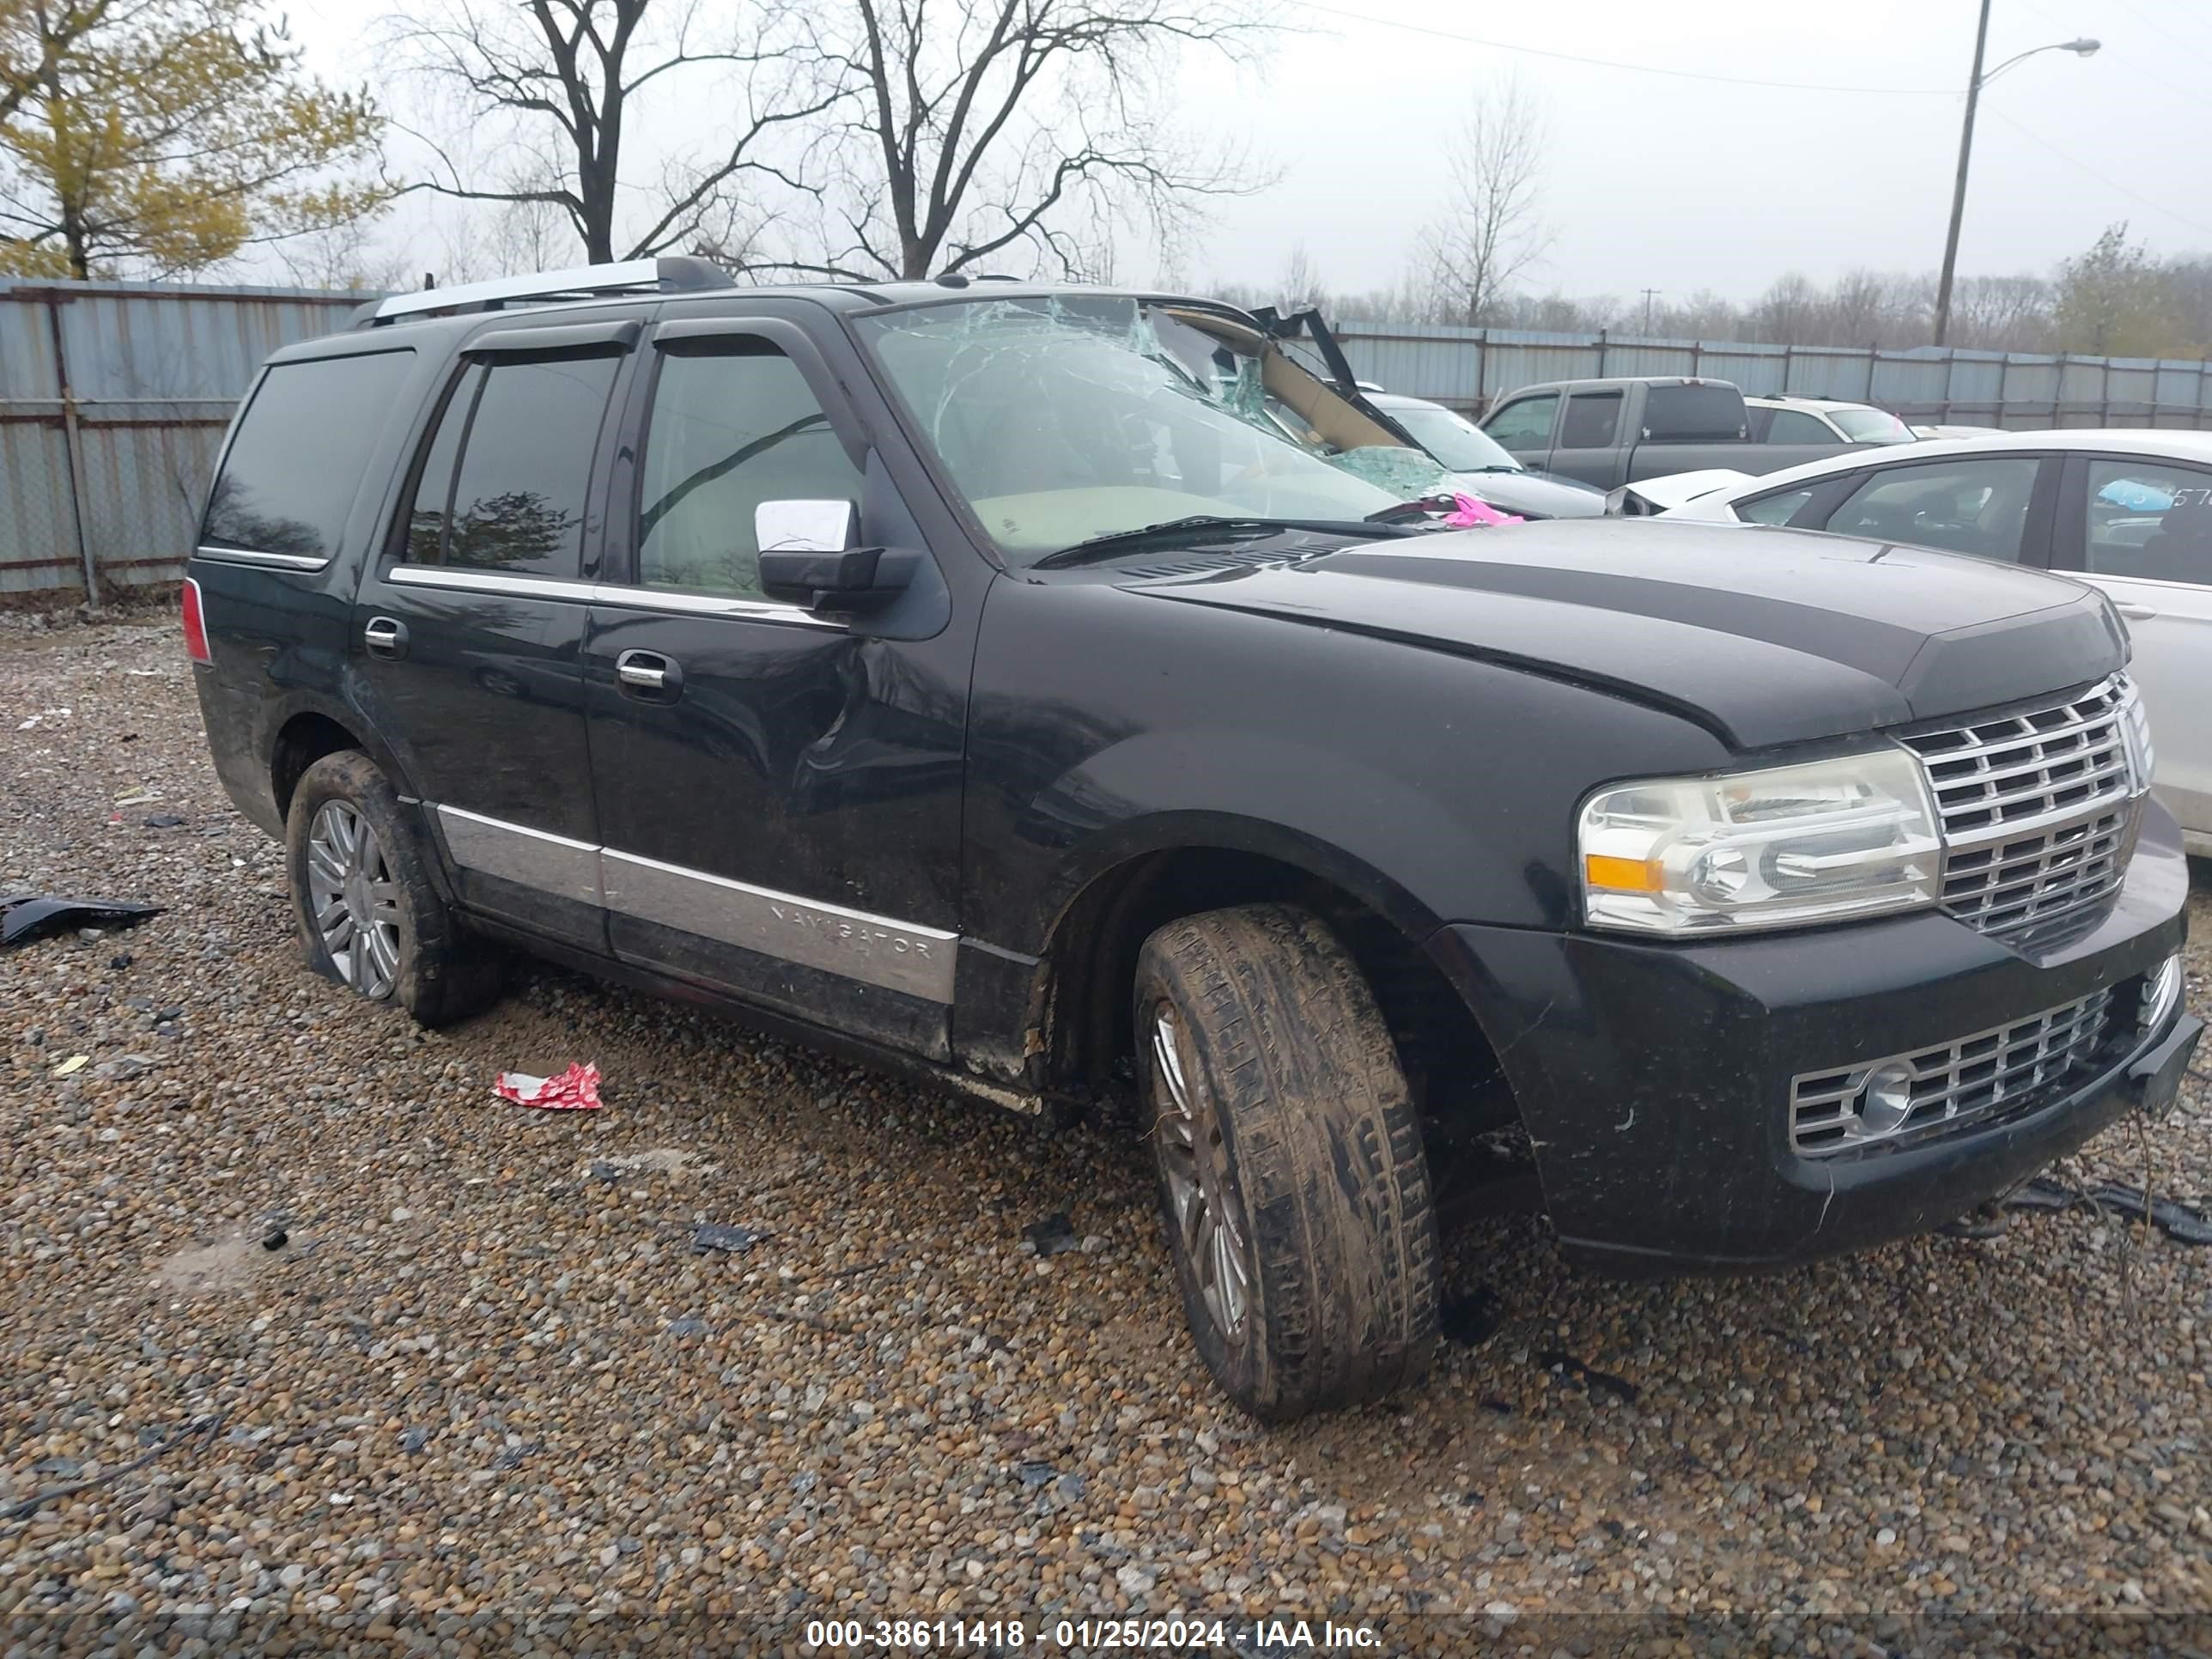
553 85
1491 227
975 129
1301 284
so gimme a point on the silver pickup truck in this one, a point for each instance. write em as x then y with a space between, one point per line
1610 433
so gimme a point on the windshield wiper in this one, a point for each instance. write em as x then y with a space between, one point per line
1209 526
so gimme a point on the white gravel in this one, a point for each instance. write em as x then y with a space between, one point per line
484 1393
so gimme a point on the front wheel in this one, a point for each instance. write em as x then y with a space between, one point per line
368 914
1291 1174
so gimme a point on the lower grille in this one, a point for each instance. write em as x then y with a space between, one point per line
2007 1067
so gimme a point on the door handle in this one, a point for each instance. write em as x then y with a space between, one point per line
649 677
2136 612
385 637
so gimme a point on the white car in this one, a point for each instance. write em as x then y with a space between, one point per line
1823 421
2128 512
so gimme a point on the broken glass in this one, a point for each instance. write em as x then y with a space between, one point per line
1064 417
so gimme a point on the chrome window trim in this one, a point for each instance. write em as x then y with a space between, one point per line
622 595
249 556
880 951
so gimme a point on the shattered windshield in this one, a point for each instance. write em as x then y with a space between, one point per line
1453 440
1066 417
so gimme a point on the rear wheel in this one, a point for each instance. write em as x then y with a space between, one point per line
368 914
1292 1174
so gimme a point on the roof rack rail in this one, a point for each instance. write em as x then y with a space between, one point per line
671 273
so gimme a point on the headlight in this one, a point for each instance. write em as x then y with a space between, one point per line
1822 842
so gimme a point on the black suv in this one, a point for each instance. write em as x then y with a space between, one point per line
973 677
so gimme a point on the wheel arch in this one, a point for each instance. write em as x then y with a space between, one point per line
1079 1025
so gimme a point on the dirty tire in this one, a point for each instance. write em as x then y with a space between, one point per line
440 974
1313 1136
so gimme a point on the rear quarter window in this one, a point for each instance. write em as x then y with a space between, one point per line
1693 414
298 459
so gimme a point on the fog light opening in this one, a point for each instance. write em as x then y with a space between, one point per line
1885 1098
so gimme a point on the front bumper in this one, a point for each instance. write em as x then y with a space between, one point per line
1654 1080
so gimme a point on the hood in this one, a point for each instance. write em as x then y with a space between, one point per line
1539 494
1763 636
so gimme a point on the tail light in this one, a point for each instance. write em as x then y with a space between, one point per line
196 639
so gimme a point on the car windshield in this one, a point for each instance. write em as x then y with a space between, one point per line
1452 440
1871 426
1062 418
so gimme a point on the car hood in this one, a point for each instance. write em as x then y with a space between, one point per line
1764 635
1536 492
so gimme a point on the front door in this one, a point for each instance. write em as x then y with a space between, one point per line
2141 528
779 792
468 630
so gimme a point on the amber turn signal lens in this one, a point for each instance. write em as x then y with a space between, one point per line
1620 875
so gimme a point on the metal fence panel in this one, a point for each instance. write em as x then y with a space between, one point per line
114 398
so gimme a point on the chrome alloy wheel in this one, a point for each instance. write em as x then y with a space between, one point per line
355 900
1203 1201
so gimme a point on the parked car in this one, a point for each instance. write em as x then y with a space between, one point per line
1609 433
949 676
2128 512
1478 465
1947 430
1823 421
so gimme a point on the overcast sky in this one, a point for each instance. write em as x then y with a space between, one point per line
1675 182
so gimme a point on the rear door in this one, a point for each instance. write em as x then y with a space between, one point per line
2140 527
779 791
1588 447
468 630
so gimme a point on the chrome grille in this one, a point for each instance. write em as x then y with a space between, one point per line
2039 805
1953 1083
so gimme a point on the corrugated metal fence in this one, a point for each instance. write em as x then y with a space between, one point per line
1468 368
114 398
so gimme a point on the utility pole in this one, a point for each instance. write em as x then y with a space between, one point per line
1959 188
2081 47
1649 293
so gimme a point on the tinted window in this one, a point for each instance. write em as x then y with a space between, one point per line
1795 426
1774 509
433 490
2150 519
1525 423
1690 414
733 424
526 468
1977 506
1593 421
289 478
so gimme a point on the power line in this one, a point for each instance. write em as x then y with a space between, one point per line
1616 64
2109 184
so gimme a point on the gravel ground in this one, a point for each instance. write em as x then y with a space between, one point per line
485 1392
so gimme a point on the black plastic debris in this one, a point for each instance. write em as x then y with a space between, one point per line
710 1236
26 916
2170 1216
1469 1320
120 960
1053 1234
164 821
275 1239
1591 1378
